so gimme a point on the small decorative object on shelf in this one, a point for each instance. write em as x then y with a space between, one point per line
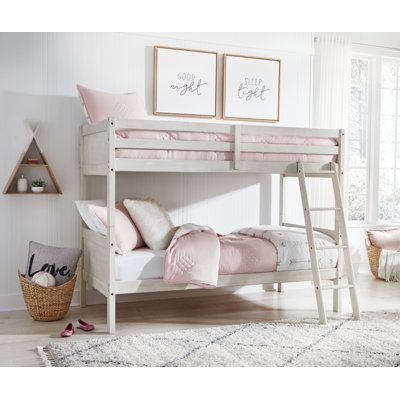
38 185
33 161
22 185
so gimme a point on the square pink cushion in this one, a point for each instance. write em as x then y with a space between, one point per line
127 237
388 239
101 105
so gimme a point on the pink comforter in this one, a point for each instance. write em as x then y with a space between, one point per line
197 255
222 155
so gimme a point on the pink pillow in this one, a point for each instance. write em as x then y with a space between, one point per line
127 237
100 105
388 239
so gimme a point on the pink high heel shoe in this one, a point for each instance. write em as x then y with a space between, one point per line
68 331
85 326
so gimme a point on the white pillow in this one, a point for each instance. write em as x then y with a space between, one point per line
153 222
90 219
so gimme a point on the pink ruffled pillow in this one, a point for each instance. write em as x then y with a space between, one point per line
127 236
100 105
388 239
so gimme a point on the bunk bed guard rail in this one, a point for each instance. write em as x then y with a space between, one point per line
99 143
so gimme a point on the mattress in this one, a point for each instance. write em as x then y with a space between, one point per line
241 254
144 263
139 264
222 155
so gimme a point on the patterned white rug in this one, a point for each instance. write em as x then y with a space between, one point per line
373 341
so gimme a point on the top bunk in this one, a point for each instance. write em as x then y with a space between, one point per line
120 145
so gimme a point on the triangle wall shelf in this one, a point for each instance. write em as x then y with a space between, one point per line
32 165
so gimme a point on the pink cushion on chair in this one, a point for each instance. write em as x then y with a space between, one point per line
101 105
388 239
127 237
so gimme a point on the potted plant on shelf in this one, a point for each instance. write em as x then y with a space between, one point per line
38 185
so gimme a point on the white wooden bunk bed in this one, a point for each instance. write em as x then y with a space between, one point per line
98 157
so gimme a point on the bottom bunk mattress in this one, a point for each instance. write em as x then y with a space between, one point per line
139 264
243 251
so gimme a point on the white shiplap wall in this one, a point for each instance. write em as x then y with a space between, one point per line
38 74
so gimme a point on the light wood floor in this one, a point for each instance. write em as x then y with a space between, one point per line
20 335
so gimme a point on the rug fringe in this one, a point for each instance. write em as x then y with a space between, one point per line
46 357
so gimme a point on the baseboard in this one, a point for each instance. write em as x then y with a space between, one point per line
11 302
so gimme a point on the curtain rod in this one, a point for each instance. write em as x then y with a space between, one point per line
369 45
377 46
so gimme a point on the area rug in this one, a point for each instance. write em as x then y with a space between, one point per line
374 341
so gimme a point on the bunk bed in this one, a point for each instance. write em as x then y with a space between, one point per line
106 150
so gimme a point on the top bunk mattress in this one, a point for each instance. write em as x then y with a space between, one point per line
222 155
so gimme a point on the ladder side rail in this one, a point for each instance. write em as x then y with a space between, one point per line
311 243
281 213
337 293
346 250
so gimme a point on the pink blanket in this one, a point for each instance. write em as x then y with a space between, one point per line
197 255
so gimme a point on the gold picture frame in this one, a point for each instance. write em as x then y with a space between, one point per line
156 110
224 90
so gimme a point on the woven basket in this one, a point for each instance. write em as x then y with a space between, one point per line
373 257
47 303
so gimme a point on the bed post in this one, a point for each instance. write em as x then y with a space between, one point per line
111 303
337 293
281 212
83 197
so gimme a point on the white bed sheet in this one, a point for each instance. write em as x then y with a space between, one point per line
139 264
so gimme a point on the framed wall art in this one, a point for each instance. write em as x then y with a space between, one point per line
185 82
251 88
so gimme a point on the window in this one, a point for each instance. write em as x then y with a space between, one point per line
389 153
373 182
358 139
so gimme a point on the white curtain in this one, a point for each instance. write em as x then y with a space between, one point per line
331 87
331 81
331 90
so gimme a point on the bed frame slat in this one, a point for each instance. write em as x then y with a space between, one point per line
236 146
253 129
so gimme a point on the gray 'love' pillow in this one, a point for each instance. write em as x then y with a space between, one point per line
58 261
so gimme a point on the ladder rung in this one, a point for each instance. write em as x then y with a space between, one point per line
326 209
320 174
327 287
336 247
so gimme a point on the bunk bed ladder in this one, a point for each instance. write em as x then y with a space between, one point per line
342 241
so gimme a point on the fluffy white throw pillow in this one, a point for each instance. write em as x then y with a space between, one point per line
153 222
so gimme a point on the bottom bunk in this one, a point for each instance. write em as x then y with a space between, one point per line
313 262
143 270
245 259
